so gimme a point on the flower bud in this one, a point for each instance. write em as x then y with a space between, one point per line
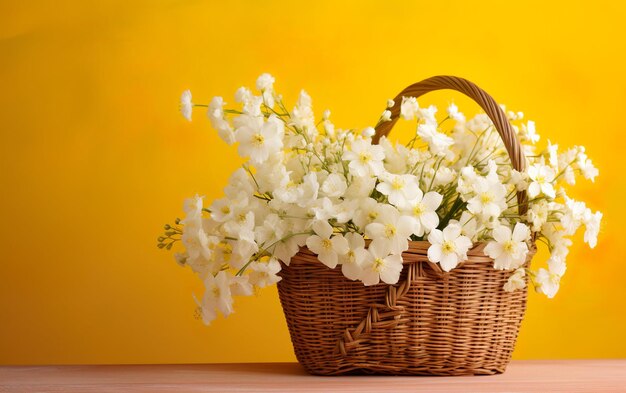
368 132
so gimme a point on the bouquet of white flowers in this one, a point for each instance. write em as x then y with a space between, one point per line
357 200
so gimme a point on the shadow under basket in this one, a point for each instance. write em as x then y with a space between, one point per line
431 323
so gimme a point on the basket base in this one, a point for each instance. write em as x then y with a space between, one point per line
417 372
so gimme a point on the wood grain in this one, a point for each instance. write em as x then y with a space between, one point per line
521 376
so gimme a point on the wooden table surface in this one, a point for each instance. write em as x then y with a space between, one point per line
522 376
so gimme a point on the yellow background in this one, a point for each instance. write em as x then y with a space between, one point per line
95 156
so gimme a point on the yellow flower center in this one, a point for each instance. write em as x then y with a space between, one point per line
448 247
509 246
486 197
351 257
327 244
372 215
227 250
364 157
378 264
419 209
397 184
390 231
225 209
216 291
555 278
258 139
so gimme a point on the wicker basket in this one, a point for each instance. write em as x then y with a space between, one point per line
430 323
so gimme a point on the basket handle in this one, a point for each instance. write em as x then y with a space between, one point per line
484 100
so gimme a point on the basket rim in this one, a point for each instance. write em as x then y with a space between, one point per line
418 253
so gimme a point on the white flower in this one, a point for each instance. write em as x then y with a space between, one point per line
218 294
467 179
327 248
237 253
542 177
243 95
324 209
516 280
281 232
197 242
267 95
399 189
408 108
386 116
547 281
560 244
454 114
367 212
309 190
592 227
553 155
587 168
335 185
509 250
443 176
265 82
365 158
489 198
479 123
518 179
390 103
437 142
352 261
260 143
344 211
530 133
574 214
423 208
186 105
239 181
193 211
538 214
448 247
302 115
241 226
379 265
368 132
392 228
361 187
396 157
469 226
225 209
287 248
263 274
215 113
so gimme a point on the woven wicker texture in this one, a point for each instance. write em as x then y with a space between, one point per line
432 322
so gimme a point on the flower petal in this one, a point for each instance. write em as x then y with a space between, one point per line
322 228
521 232
502 234
435 252
449 261
432 200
